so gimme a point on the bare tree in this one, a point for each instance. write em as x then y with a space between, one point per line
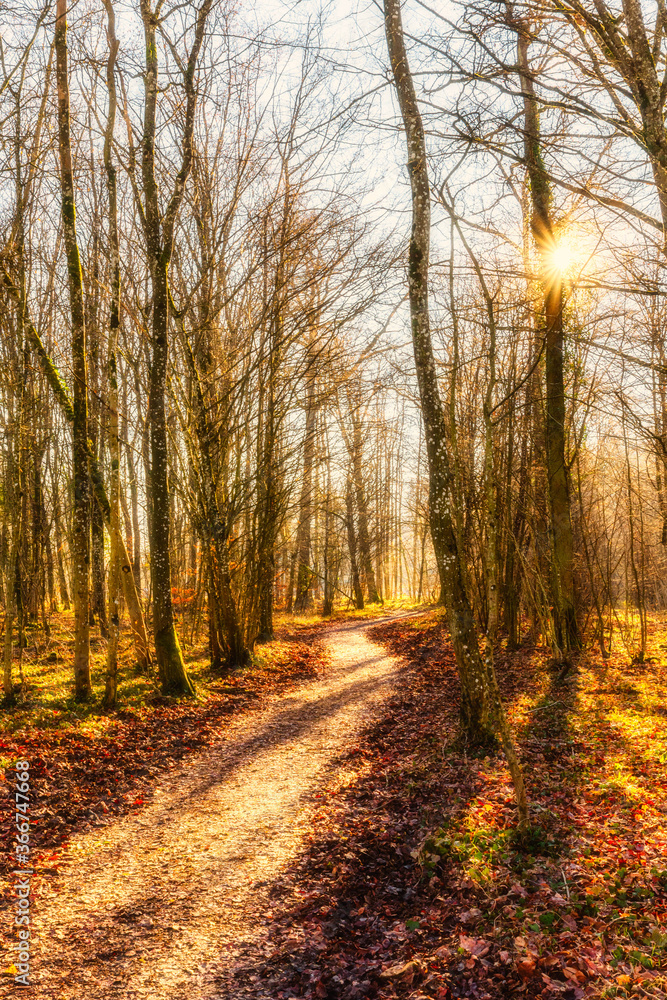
474 706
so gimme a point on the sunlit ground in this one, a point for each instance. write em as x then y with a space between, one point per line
594 751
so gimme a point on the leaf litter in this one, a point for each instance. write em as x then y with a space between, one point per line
414 885
400 876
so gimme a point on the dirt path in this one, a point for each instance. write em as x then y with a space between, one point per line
162 903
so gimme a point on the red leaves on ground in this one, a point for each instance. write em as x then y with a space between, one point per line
78 779
370 911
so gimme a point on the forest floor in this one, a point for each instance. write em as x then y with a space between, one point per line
314 829
158 902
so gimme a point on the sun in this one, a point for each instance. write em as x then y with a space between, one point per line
562 257
570 253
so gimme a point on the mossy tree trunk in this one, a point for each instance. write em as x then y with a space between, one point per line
362 509
159 229
113 590
80 549
566 630
352 544
474 701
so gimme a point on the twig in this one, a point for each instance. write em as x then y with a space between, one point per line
567 888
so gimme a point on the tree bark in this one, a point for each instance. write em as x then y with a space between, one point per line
304 576
113 591
474 701
80 549
362 511
352 545
159 235
565 621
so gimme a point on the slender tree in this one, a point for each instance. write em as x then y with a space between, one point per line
474 702
542 224
81 515
159 236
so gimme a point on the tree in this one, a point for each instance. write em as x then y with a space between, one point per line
114 324
81 532
543 229
474 704
159 238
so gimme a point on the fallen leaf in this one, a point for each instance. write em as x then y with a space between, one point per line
526 968
405 972
474 946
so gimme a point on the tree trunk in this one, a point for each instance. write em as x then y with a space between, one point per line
60 558
362 511
327 607
80 549
113 618
304 577
98 600
565 621
171 666
352 545
289 599
159 235
474 702
223 613
62 396
136 529
12 577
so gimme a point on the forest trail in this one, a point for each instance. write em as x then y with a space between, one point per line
164 902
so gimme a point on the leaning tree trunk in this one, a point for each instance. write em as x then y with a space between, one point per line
61 393
81 508
474 701
565 620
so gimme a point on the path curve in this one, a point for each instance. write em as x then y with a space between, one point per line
161 903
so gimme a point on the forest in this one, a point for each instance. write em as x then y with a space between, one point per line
333 498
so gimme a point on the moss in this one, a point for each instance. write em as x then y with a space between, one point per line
174 677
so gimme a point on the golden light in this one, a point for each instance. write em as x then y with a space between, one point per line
562 258
570 255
